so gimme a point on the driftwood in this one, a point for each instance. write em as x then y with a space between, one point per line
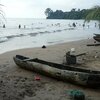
81 54
93 44
66 73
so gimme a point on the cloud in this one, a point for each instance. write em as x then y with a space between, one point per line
36 8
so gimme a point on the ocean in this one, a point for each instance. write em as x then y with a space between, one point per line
39 32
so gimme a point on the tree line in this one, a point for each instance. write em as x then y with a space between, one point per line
73 14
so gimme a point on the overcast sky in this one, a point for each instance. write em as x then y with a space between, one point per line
36 8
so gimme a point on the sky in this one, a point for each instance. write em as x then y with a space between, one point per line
36 8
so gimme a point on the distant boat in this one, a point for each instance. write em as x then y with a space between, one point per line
66 73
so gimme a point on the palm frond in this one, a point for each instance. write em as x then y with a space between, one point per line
93 14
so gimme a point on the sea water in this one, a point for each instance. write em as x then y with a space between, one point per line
38 32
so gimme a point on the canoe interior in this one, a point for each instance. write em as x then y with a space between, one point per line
59 66
97 34
97 37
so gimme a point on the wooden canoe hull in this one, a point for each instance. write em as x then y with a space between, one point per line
97 38
97 35
74 76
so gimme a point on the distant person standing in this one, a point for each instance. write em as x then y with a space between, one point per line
95 24
74 25
4 26
88 26
32 25
19 26
83 26
24 26
99 25
69 25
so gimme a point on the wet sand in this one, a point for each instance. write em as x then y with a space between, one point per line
20 84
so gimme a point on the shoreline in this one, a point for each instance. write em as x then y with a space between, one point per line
51 44
62 43
19 84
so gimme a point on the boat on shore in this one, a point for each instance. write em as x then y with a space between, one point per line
97 34
97 37
74 75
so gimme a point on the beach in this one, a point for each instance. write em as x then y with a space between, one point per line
20 84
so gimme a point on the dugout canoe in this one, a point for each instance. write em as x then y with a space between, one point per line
62 72
97 38
97 35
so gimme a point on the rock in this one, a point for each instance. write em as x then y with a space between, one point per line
43 46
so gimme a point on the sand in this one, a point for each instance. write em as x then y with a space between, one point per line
20 84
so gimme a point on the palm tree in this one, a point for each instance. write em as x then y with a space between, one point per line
2 15
93 14
48 11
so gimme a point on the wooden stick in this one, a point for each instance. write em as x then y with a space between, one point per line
93 44
81 54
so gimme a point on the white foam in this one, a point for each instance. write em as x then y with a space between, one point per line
40 32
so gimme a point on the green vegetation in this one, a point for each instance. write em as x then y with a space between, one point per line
2 15
87 14
59 14
93 14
